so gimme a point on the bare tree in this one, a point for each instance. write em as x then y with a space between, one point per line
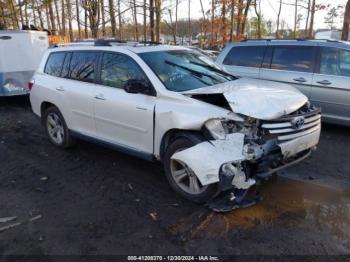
257 8
134 9
145 20
112 15
278 19
69 16
92 8
232 19
295 19
78 17
313 10
346 23
158 18
151 19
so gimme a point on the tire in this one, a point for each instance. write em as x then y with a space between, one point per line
204 194
56 128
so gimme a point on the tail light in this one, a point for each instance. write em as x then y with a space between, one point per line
30 85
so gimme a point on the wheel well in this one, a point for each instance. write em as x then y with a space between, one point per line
44 106
171 135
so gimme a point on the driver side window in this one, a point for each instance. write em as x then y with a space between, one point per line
117 69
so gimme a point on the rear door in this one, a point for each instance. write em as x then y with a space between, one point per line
331 88
77 86
292 64
244 60
123 118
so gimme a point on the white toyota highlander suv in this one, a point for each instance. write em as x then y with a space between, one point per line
212 131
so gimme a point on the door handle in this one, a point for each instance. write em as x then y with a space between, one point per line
324 82
100 97
300 80
60 88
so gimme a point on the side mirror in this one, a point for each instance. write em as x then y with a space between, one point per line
135 86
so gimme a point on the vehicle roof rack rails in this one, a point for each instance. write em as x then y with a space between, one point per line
149 43
108 42
274 39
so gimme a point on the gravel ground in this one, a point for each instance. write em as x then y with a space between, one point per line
90 200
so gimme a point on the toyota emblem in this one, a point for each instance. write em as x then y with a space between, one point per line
298 122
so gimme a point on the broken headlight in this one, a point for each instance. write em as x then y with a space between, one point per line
220 127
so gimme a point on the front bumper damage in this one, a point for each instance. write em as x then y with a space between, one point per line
237 165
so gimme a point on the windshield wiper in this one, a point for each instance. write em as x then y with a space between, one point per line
214 69
194 72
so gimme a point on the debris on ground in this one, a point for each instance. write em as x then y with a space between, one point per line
35 218
4 228
153 215
7 219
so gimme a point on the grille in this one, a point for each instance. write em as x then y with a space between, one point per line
287 128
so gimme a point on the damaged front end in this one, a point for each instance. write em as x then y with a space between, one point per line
240 151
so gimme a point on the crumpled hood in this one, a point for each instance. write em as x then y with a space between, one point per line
259 99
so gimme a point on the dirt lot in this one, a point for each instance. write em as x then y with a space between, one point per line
92 200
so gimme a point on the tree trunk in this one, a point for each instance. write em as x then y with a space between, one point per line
158 17
245 15
232 22
120 21
278 19
70 27
26 13
52 18
295 19
34 8
135 21
223 21
58 19
346 23
63 16
151 19
176 17
258 14
103 18
3 22
307 18
189 23
78 17
14 18
144 20
20 11
48 19
239 17
86 33
112 15
311 28
212 22
40 15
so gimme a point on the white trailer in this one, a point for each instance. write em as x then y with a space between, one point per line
20 55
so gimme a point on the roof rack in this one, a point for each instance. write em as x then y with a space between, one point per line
106 42
274 39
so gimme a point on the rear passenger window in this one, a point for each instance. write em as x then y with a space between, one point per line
83 66
54 64
250 56
335 62
65 69
293 58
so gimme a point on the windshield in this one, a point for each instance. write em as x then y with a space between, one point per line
183 70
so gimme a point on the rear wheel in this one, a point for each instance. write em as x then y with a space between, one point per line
56 128
182 178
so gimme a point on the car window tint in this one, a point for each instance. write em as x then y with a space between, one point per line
83 66
335 61
117 69
251 56
54 64
293 58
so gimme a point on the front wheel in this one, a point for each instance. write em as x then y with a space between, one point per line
182 178
56 128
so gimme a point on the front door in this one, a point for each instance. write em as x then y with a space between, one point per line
123 118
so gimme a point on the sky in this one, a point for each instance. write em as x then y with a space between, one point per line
269 10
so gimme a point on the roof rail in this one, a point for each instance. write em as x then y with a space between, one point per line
108 42
274 39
